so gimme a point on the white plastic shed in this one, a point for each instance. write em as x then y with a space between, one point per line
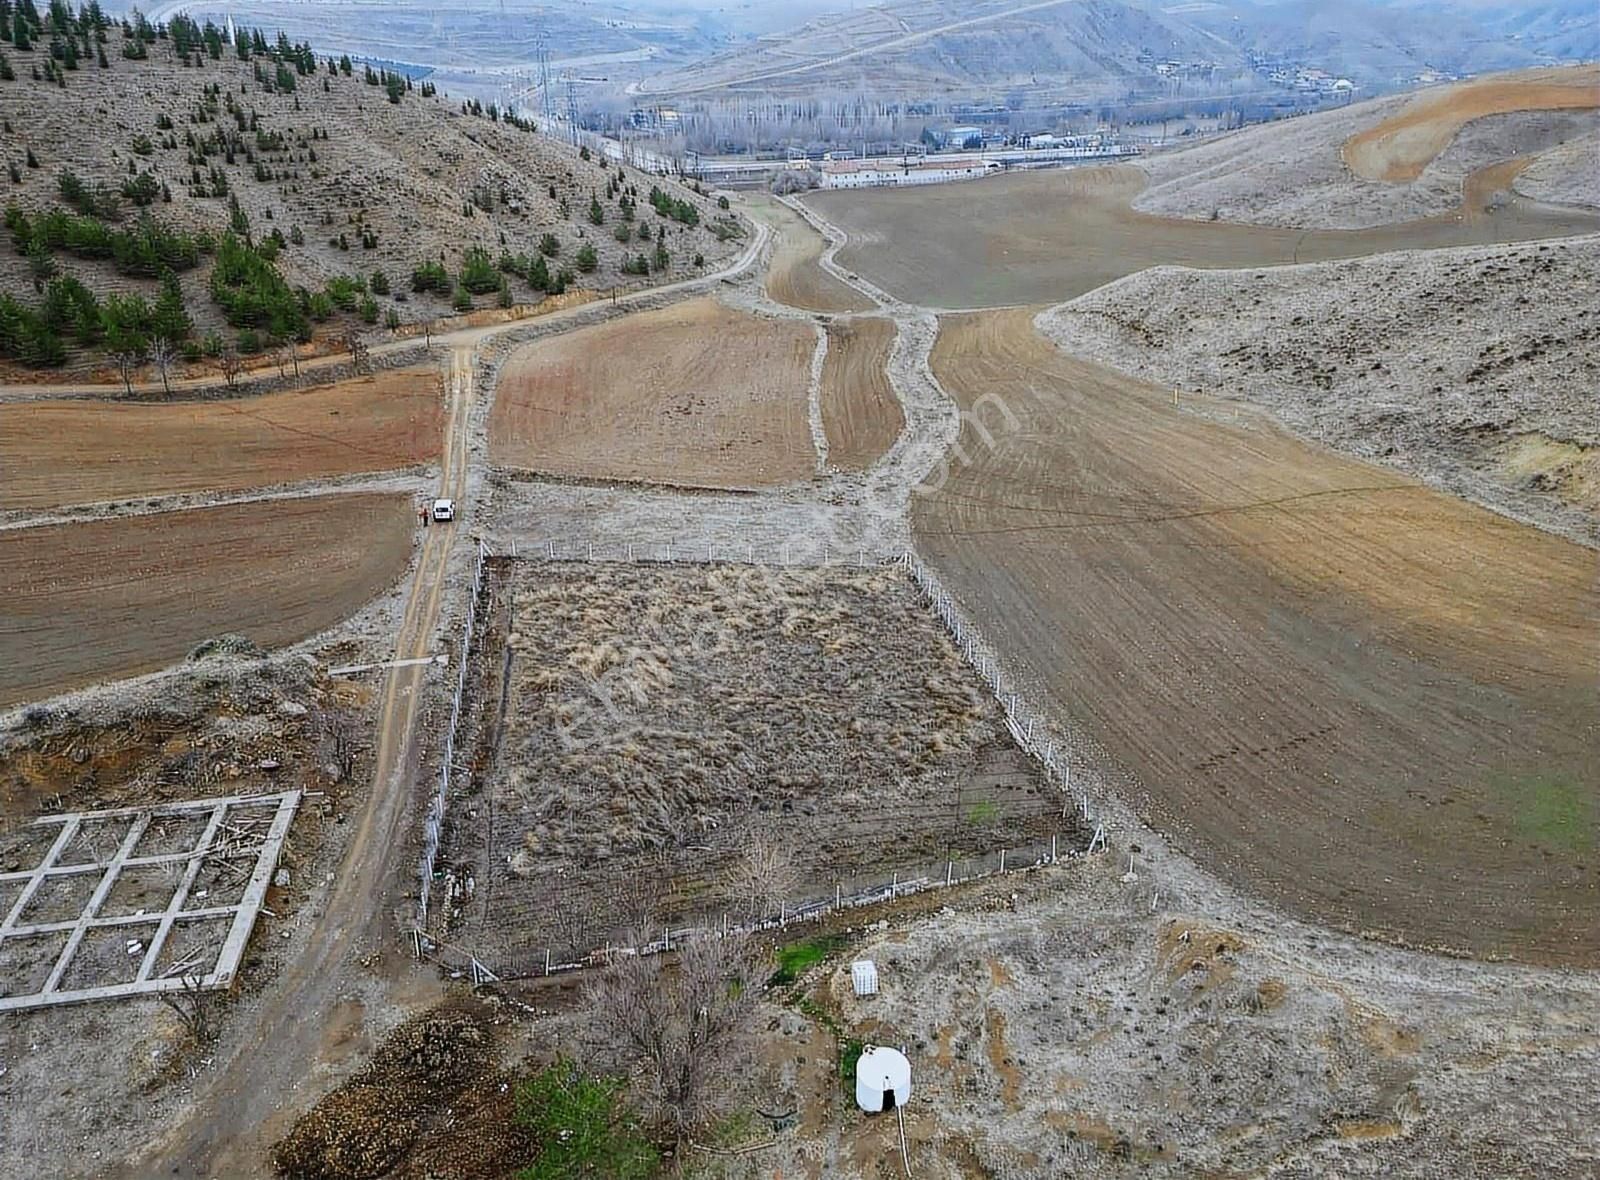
883 1079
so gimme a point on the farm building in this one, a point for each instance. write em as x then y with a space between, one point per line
875 173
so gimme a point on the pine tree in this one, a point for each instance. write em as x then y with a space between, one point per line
170 317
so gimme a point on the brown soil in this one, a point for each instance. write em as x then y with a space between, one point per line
113 598
860 413
1399 148
692 394
1038 237
793 274
78 452
1358 695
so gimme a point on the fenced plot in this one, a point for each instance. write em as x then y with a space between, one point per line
135 901
642 725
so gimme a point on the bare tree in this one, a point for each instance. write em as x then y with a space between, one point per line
690 1024
231 365
760 878
126 361
360 352
338 743
162 354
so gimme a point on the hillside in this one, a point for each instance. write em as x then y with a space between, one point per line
1468 367
334 173
1295 173
1067 48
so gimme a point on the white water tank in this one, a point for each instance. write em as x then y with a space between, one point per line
864 974
883 1079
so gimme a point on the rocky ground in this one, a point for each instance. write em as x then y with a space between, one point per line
1473 368
1565 175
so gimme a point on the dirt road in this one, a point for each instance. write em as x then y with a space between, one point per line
114 598
1045 237
1375 703
1398 149
247 1106
260 1083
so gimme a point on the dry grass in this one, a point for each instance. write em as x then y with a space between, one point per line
660 717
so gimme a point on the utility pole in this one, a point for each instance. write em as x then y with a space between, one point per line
572 107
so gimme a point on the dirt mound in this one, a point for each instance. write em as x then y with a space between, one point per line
1473 368
391 1108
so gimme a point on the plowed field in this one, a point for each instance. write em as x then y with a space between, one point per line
114 598
860 413
793 274
1372 702
82 452
1044 237
1399 148
694 394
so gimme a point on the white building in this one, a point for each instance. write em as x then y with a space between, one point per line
884 172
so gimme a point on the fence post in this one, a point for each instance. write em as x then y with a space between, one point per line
1002 860
949 870
547 960
838 896
1052 848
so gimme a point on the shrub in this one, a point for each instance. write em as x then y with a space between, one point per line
582 1127
478 273
587 259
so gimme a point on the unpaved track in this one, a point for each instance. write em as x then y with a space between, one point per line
1327 680
693 394
257 1092
108 599
84 452
249 1106
1399 148
860 413
1046 237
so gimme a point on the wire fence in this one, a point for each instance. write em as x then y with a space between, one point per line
1028 727
433 822
524 961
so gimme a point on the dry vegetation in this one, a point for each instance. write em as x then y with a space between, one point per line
695 394
112 598
1293 173
1457 366
1397 149
657 716
83 452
